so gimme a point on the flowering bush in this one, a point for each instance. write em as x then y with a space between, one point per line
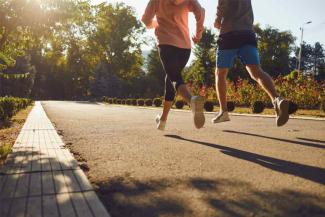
304 91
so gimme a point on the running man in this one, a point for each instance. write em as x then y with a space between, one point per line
235 20
174 43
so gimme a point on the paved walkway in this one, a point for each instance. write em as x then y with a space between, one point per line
42 178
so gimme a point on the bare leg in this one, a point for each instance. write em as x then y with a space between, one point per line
166 109
221 86
263 79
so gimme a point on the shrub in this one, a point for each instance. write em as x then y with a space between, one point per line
104 99
2 114
148 102
128 101
140 102
209 106
157 102
231 106
179 104
257 107
119 101
134 101
123 101
110 101
114 100
9 106
293 107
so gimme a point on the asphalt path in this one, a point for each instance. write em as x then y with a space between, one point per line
245 167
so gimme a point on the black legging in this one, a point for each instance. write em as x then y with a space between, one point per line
174 60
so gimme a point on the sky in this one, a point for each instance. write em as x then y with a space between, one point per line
285 15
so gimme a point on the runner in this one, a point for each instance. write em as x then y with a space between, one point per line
174 43
235 20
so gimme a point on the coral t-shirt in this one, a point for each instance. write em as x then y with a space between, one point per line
171 24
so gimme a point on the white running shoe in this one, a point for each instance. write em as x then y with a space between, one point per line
282 111
160 124
221 117
197 107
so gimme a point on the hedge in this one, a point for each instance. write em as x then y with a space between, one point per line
9 106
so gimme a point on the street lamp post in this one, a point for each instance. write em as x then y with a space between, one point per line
301 42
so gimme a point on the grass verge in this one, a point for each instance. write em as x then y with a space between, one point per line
10 131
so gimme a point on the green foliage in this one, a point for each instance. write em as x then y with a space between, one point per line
5 150
134 102
148 102
18 80
119 101
128 101
123 101
202 69
209 106
140 102
179 104
155 79
118 38
257 107
157 102
9 106
275 48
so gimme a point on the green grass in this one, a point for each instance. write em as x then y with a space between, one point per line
5 150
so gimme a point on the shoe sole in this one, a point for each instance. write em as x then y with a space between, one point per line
198 113
219 121
283 113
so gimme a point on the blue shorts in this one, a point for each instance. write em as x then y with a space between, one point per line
248 55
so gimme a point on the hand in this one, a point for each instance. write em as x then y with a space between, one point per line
196 39
217 24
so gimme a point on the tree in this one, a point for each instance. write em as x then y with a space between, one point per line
275 48
202 69
155 77
106 82
18 80
117 38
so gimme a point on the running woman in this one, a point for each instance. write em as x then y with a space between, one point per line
235 20
174 43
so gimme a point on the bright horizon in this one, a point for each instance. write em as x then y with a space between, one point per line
275 13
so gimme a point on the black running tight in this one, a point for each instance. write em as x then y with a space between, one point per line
174 60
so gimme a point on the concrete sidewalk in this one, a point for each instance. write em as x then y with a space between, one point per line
42 178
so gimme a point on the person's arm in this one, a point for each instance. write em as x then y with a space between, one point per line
199 14
149 14
220 11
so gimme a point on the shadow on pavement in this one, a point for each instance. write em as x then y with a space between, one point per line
278 139
315 174
44 193
200 197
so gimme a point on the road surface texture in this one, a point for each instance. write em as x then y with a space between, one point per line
246 167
